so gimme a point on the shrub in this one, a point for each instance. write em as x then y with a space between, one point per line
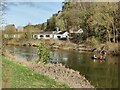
43 54
93 42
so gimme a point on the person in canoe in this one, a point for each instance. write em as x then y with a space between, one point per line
101 57
103 52
94 57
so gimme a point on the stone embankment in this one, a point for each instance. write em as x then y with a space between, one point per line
108 49
69 46
57 72
65 45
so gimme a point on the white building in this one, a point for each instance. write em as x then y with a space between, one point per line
13 36
59 35
76 31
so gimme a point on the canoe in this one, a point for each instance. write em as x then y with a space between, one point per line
98 58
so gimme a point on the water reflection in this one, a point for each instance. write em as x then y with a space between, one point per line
103 74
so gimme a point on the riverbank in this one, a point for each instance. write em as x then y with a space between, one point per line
16 75
52 44
57 72
67 45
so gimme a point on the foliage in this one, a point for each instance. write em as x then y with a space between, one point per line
60 24
9 29
103 19
43 26
28 31
100 20
31 28
93 42
43 54
51 23
96 19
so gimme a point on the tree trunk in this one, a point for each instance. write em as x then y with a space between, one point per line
114 35
108 35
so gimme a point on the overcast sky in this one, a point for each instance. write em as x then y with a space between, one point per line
21 13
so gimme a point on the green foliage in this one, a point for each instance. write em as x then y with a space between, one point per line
96 19
51 23
27 35
78 38
43 53
29 27
93 42
103 19
9 29
43 26
60 24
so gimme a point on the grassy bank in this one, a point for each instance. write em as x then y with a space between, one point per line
18 76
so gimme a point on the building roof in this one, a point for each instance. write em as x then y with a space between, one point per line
49 32
61 32
76 31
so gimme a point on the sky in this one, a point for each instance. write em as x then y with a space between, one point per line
22 13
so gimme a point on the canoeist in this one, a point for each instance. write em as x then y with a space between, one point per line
94 57
102 54
103 51
101 57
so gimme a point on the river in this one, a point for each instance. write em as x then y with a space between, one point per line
101 75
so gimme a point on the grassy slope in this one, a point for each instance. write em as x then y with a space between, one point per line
18 76
0 73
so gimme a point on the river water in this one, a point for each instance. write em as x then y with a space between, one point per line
101 75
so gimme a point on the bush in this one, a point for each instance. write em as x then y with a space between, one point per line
43 54
93 42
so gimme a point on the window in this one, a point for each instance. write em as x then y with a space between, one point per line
41 36
47 35
35 36
59 37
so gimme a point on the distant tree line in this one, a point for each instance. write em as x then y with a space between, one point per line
97 19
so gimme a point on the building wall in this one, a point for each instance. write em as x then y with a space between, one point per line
54 36
39 36
12 35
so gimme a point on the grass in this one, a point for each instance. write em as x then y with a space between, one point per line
17 76
0 73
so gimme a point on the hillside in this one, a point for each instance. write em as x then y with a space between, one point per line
99 22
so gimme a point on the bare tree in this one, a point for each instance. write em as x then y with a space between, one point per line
3 7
